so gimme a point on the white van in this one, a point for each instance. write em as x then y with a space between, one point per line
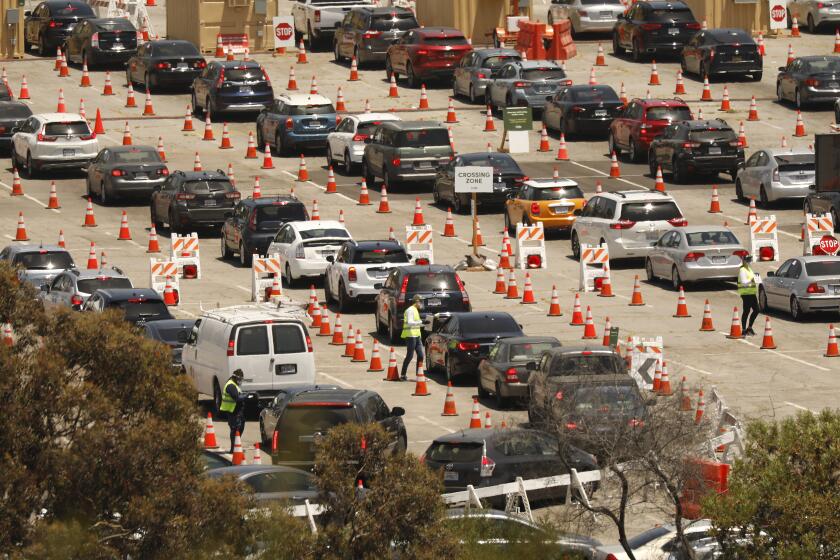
270 345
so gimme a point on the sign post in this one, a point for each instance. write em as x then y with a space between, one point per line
284 32
778 14
518 121
474 180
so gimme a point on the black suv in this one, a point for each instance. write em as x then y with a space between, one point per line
254 222
140 305
439 285
51 22
366 33
689 147
101 41
236 85
193 198
406 151
654 27
722 51
290 425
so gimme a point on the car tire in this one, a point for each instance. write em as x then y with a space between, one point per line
812 27
393 335
482 392
575 242
757 76
103 195
330 158
147 82
501 402
703 72
739 191
128 79
402 445
344 301
834 219
410 76
797 99
509 227
336 54
762 300
360 62
637 51
796 312
389 70
473 98
676 281
435 194
450 375
209 110
651 277
455 93
618 50
328 295
380 328
226 252
836 114
612 146
677 173
245 257
348 163
762 197
43 50
31 166
260 140
370 178
779 95
633 152
653 165
153 216
280 147
457 205
174 227
290 280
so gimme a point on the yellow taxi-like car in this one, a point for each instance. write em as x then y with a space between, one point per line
554 202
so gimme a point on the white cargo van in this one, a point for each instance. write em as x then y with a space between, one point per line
271 346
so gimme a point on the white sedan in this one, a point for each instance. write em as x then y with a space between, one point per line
303 247
347 142
660 543
53 140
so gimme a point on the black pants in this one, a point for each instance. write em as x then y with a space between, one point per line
413 344
236 423
750 306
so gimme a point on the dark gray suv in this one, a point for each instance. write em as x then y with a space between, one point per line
406 151
366 33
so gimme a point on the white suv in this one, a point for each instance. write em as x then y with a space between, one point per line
357 272
347 142
629 222
53 140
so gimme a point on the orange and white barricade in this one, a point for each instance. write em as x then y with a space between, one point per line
186 255
159 271
764 239
263 273
530 246
592 261
816 225
645 355
419 243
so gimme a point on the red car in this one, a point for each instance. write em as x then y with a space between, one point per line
427 52
642 121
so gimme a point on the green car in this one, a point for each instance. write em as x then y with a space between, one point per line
406 151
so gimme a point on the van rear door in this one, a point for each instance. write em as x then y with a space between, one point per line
292 362
253 357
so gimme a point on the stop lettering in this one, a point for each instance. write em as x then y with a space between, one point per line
829 245
778 13
283 31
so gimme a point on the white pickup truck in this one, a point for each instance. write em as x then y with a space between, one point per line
317 19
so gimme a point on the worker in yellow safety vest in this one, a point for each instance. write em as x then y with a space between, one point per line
233 404
411 333
748 290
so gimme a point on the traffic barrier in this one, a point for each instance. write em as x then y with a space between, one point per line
646 355
753 114
264 271
636 297
419 243
90 219
184 250
530 39
764 239
554 306
816 226
421 388
449 402
512 290
159 271
20 232
562 46
589 326
704 477
530 246
735 327
706 324
593 260
210 433
475 416
832 350
375 359
682 307
528 292
767 341
125 233
577 313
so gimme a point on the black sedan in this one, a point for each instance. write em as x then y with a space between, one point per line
715 52
165 63
172 332
459 341
101 41
507 177
125 171
12 115
809 79
583 110
272 411
504 373
272 483
51 22
480 457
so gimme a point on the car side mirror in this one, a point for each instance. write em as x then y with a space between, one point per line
45 288
770 273
85 168
812 187
378 286
520 325
330 259
741 165
397 411
27 13
367 140
782 68
531 366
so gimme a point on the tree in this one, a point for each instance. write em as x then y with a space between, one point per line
784 492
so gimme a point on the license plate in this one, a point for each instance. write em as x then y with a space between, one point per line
737 59
714 150
69 152
379 273
449 475
424 164
183 65
606 15
673 31
562 209
209 202
118 47
142 176
326 254
833 85
433 302
835 289
601 113
652 235
719 260
285 369
315 124
449 54
246 89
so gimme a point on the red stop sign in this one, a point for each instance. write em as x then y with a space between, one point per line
778 13
829 245
283 31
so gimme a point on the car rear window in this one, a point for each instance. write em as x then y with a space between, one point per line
455 452
137 156
605 398
72 10
495 62
713 135
44 260
650 211
583 364
302 419
376 256
90 285
668 114
828 64
385 22
324 109
173 336
796 162
288 339
483 325
323 232
420 138
367 128
280 481
543 74
142 310
598 94
12 110
525 351
647 536
679 15
728 36
711 238
823 268
207 187
432 282
70 128
117 25
556 193
499 163
252 341
244 74
175 49
453 40
280 212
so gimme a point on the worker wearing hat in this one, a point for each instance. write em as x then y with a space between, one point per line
411 333
748 289
233 404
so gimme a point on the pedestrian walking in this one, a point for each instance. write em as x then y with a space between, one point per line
411 334
233 404
748 289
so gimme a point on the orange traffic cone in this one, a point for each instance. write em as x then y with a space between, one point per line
90 219
20 233
449 225
449 402
424 99
836 41
225 143
251 151
276 292
313 86
338 332
767 342
129 99
161 152
393 373
489 124
303 173
794 29
800 126
418 214
832 351
420 387
126 139
125 233
725 105
598 187
706 325
220 48
301 57
331 185
528 293
636 297
392 90
622 95
364 195
197 163
657 377
562 150
752 216
488 422
354 70
24 89
324 329
268 163
479 240
753 114
660 181
714 207
707 90
61 107
784 143
504 258
85 82
665 383
500 282
544 146
208 129
451 118
238 455
682 307
340 105
475 416
17 187
577 314
607 326
315 216
64 71
169 297
108 88
257 457
554 306
600 60
350 346
685 400
58 57
375 358
679 89
592 80
210 433
315 314
359 348
512 291
606 283
92 262
735 328
654 75
148 108
384 206
291 85
701 407
52 203
615 171
790 56
589 326
154 246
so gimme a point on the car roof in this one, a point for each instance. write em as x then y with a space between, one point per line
237 314
377 10
13 103
411 125
497 52
704 124
132 148
545 183
471 156
636 195
84 273
817 258
421 268
371 117
368 244
589 380
199 175
269 199
660 102
471 314
448 31
702 229
238 63
100 21
664 5
171 324
580 349
780 152
57 3
59 117
809 58
170 42
122 294
528 339
317 224
18 248
478 435
304 99
529 64
240 470
322 394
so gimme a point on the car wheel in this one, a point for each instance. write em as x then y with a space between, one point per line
450 375
762 197
290 280
501 402
683 67
279 146
812 27
409 75
328 295
30 166
676 281
633 152
226 254
834 219
393 335
806 208
128 79
455 93
209 110
612 146
359 60
196 110
676 172
762 300
402 445
336 54
473 98
147 82
330 158
653 166
575 246
651 277
757 76
508 226
103 197
435 193
344 301
617 48
795 309
245 256
348 163
370 178
85 61
637 51
836 114
482 392
703 72
457 205
797 99
174 227
153 216
389 70
43 50
739 191
217 398
779 95
380 328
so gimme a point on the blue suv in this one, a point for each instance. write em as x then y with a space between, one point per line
228 86
296 121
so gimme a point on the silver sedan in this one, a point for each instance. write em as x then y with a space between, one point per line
815 13
477 69
774 174
586 15
802 285
695 253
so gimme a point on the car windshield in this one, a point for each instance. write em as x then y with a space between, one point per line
401 21
668 114
319 109
678 15
647 536
597 94
420 138
650 211
455 452
526 351
175 49
136 311
586 364
90 285
482 325
495 62
823 268
711 238
207 186
69 128
12 110
827 64
543 74
44 260
210 461
244 74
557 193
432 282
445 41
605 398
377 256
270 217
174 336
72 10
137 156
280 481
713 135
367 128
323 232
499 163
116 25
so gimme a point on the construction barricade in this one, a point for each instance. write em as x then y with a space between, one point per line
530 246
419 243
764 239
185 254
159 271
704 477
529 40
562 46
816 226
645 356
592 269
263 273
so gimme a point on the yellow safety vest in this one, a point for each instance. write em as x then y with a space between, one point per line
411 322
228 404
748 289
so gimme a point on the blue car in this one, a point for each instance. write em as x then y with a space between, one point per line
232 86
296 121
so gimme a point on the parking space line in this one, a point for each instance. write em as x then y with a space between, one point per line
692 368
776 352
800 407
316 185
436 424
32 198
335 379
603 174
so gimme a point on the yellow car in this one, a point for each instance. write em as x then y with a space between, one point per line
554 202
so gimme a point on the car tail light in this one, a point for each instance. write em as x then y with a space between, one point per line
94 40
487 464
308 344
535 208
678 222
465 298
163 171
265 75
184 196
571 425
317 16
360 137
814 288
583 13
534 261
351 274
290 124
712 54
221 79
396 162
422 459
820 5
54 23
519 84
766 253
622 224
403 288
636 423
300 253
91 136
117 172
693 25
511 375
190 271
558 395
520 180
275 441
812 82
252 222
235 195
776 176
139 36
163 65
651 26
480 75
76 300
201 64
568 83
690 145
692 256
44 138
230 347
422 261
735 143
465 346
578 109
371 34
599 283
741 253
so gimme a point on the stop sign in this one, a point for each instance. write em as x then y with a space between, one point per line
778 13
283 31
829 245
